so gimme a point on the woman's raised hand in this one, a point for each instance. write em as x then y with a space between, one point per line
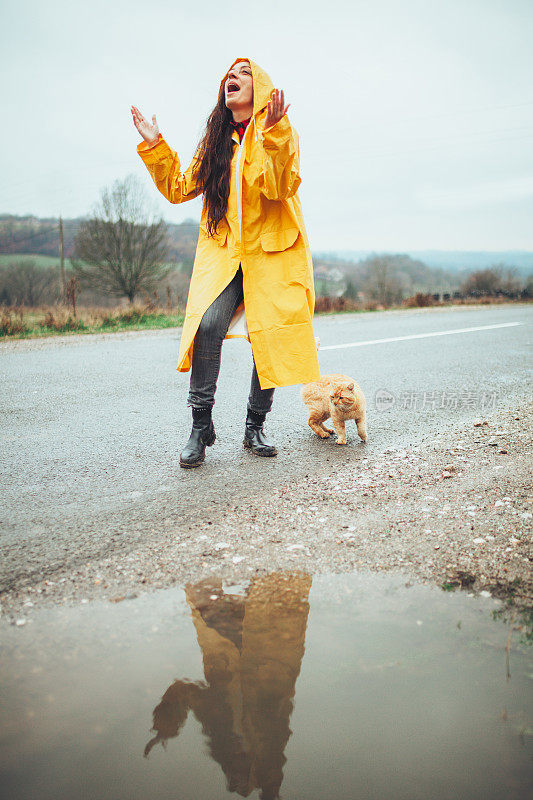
147 131
276 108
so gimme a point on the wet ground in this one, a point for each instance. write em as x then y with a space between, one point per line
454 512
92 426
352 686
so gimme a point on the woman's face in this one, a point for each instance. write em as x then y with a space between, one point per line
239 88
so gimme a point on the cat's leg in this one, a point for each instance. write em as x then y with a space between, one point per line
361 427
340 429
315 423
329 431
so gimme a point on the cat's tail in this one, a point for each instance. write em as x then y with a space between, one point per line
306 392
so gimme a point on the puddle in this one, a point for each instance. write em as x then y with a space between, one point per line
324 688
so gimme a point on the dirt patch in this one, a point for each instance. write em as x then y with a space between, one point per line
457 512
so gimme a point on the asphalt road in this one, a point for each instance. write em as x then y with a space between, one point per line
92 426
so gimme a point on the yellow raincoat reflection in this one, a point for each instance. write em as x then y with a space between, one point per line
252 650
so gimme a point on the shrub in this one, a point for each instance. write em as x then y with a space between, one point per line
323 305
420 300
10 325
62 323
132 314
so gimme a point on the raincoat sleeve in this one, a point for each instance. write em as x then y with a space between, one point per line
164 166
281 160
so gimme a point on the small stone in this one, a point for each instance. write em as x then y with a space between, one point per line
450 467
20 622
502 452
446 474
484 593
479 540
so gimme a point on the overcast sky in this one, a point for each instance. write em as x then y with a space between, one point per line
415 118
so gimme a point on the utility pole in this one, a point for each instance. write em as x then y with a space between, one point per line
63 283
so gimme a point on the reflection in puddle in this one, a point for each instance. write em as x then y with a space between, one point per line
404 693
252 648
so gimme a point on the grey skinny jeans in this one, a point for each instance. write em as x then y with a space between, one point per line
207 352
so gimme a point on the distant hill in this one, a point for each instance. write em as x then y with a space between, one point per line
462 261
37 236
333 275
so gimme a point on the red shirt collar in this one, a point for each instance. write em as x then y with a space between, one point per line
240 127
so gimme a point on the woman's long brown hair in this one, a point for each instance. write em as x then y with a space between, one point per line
213 161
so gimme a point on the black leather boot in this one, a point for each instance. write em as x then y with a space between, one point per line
254 437
202 436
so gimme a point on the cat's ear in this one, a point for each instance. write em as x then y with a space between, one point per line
350 387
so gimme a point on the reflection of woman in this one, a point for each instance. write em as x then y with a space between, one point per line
253 264
252 651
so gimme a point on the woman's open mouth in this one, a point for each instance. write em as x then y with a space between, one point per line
233 87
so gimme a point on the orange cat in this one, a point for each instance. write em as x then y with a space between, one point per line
337 397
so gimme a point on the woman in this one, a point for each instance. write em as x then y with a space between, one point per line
253 266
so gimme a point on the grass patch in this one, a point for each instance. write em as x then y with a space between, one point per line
20 323
6 259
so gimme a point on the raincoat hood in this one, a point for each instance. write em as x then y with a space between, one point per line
263 86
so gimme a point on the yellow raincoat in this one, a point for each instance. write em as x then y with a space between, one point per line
263 231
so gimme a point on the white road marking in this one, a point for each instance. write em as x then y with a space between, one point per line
418 336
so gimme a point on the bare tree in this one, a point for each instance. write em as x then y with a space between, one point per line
382 281
527 291
495 279
122 247
26 283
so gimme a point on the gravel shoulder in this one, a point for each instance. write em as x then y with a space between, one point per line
456 512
